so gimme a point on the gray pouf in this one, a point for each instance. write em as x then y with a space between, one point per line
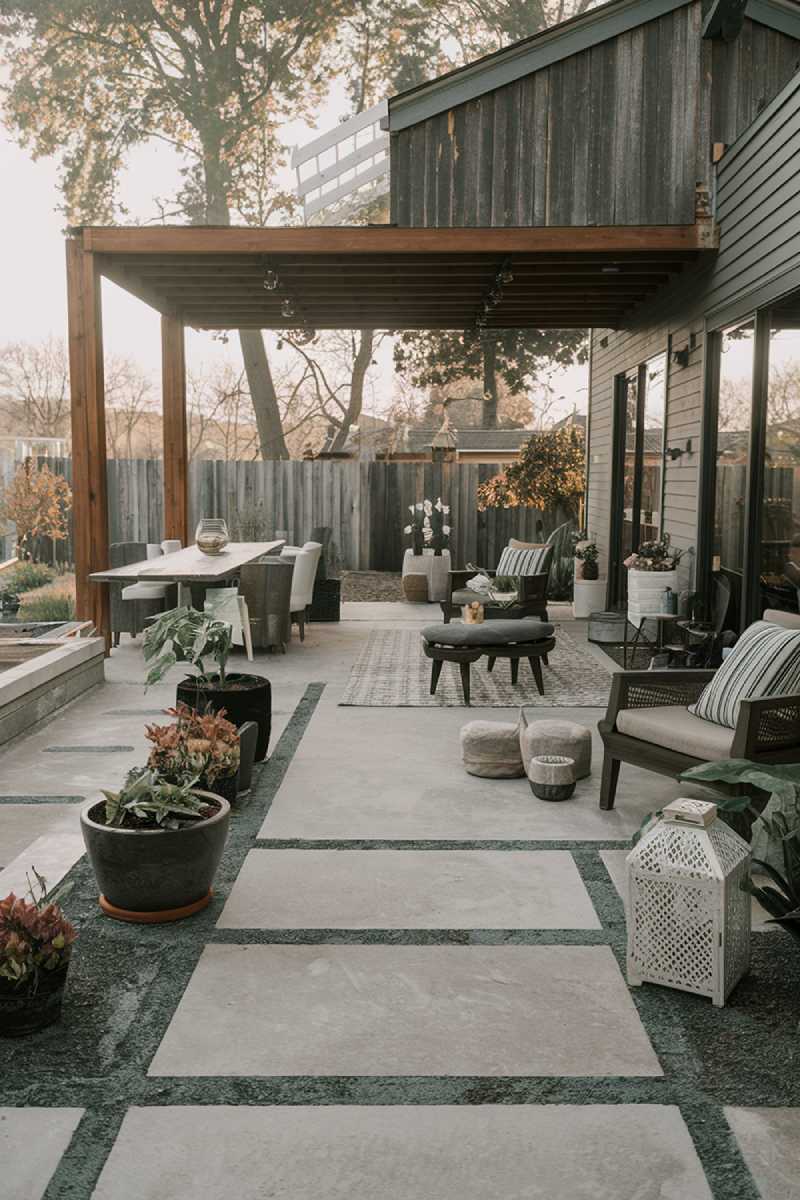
555 737
491 749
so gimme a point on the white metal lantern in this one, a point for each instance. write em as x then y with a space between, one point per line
688 916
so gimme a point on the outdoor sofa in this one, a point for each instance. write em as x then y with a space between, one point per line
648 724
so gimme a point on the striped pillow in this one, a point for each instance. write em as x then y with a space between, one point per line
523 562
764 662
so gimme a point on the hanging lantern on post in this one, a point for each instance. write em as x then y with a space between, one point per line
688 915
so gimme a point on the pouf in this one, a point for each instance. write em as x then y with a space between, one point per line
415 588
491 749
556 737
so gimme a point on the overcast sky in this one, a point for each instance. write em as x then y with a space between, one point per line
33 288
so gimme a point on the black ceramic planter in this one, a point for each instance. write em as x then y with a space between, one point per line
154 874
552 791
21 1012
244 698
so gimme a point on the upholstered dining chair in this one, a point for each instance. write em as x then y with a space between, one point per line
266 586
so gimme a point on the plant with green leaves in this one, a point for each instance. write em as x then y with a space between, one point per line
505 583
782 901
35 937
147 798
185 635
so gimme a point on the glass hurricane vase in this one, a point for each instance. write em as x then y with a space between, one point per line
211 535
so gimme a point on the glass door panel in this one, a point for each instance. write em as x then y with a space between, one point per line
780 502
733 439
652 459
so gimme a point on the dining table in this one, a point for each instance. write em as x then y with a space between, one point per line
190 567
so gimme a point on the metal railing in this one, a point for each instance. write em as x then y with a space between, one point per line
337 164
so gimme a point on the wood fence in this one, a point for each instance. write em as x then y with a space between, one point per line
364 503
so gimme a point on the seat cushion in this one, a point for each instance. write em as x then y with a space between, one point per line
764 662
490 633
672 726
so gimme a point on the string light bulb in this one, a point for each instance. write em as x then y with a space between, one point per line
271 280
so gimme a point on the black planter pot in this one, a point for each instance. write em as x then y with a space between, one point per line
249 700
21 1012
152 874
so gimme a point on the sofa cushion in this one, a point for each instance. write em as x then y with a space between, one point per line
672 726
524 562
490 633
764 662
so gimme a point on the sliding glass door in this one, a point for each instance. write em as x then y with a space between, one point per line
734 407
779 574
638 465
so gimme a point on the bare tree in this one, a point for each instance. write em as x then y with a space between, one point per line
130 410
34 388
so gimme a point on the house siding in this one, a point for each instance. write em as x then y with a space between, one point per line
618 134
758 210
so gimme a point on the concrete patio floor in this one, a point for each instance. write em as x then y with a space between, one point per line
410 984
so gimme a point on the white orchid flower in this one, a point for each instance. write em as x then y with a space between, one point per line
445 509
428 507
408 529
426 522
419 507
427 534
445 529
411 509
439 506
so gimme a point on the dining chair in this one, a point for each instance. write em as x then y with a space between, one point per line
266 586
132 604
226 604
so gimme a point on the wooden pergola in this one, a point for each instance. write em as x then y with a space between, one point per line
209 277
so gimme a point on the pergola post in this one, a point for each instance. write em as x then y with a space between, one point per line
176 451
89 480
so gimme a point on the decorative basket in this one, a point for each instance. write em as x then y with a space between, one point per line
552 776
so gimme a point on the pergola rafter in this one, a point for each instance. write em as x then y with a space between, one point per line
210 277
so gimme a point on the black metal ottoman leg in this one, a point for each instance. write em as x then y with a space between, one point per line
514 671
464 668
536 667
436 670
608 781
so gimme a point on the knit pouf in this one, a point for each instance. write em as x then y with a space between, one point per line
491 749
555 737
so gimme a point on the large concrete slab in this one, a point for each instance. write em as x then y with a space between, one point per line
406 1010
396 773
508 1152
408 889
23 824
615 865
769 1139
32 1141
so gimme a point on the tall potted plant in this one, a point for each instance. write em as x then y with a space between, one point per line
154 847
35 948
188 636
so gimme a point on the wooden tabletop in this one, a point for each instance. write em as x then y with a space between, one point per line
189 565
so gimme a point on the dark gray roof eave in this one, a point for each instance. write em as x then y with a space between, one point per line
553 45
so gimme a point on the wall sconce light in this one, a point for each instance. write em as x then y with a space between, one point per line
674 452
681 357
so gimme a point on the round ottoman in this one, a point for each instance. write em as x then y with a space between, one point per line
555 737
491 749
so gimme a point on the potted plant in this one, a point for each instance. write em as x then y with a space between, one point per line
504 589
154 847
186 635
782 901
587 554
35 947
429 530
197 746
652 569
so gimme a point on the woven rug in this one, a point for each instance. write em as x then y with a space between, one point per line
393 672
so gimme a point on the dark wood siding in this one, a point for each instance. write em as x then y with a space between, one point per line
616 134
758 209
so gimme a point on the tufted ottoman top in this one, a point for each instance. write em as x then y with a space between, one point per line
489 633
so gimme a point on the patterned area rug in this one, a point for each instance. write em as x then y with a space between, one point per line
393 672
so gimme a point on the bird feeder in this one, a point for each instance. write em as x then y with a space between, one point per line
688 915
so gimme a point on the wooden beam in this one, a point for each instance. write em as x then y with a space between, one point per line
89 482
387 239
176 450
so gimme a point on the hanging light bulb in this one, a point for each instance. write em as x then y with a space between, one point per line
271 280
287 308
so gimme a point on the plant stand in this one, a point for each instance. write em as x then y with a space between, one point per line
587 597
435 568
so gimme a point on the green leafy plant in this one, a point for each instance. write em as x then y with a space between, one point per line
782 901
147 799
775 781
196 746
186 635
9 600
27 576
657 555
505 583
550 471
35 937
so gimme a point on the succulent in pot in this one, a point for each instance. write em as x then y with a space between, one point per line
35 948
155 846
201 749
188 636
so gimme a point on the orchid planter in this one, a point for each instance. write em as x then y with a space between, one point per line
645 590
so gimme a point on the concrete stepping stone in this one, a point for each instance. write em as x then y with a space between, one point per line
769 1139
405 1152
409 889
22 824
32 1141
406 1010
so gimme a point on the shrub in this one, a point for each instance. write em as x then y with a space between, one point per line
186 635
147 800
197 746
549 471
28 576
58 606
38 502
